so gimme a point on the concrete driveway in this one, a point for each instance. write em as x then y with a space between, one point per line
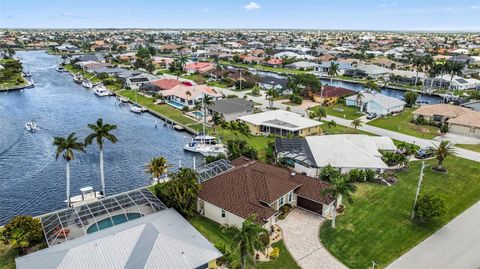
301 236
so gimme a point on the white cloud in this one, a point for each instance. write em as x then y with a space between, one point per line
252 6
475 7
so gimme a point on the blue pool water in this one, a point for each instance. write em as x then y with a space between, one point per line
198 114
117 219
175 104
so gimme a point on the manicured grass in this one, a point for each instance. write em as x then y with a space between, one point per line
213 232
257 142
340 111
340 129
474 147
7 257
377 226
401 123
163 109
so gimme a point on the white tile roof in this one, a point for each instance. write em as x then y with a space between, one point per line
281 119
383 100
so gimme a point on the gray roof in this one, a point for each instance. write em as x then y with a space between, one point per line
161 240
474 105
295 148
231 105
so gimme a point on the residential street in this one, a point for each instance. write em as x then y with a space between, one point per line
456 245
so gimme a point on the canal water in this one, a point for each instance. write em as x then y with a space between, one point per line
32 182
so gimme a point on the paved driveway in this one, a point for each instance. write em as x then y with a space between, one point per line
300 232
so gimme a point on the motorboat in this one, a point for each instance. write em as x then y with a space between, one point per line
87 84
31 126
205 145
100 90
60 69
78 78
123 100
87 194
136 109
27 74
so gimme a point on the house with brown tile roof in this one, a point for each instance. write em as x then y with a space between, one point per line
460 120
256 188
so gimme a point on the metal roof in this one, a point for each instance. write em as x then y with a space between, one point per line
70 223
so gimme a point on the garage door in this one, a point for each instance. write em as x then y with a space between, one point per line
309 205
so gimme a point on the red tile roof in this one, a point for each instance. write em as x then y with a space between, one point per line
166 84
331 91
252 186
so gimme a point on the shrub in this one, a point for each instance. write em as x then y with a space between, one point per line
429 206
296 99
444 128
22 232
370 175
274 253
328 172
357 175
265 238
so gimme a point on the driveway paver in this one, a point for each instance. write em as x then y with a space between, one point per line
301 235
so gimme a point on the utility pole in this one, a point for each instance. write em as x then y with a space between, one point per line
420 178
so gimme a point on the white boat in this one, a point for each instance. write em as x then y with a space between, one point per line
136 109
123 99
205 145
87 84
78 78
100 90
31 126
87 194
27 74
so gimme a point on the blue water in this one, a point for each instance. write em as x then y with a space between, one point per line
32 182
117 219
198 113
175 104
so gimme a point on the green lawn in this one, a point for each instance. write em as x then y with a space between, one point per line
263 68
257 142
377 226
7 257
213 232
340 129
401 123
340 111
474 147
163 109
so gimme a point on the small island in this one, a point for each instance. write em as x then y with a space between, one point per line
11 76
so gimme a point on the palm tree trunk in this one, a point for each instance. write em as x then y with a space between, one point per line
67 177
334 213
416 78
440 162
102 176
243 262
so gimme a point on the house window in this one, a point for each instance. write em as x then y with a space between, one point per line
280 202
290 195
223 213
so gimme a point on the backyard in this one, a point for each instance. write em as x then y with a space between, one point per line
263 67
340 111
377 226
7 257
401 123
474 147
213 232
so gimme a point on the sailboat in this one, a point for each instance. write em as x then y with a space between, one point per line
135 108
205 144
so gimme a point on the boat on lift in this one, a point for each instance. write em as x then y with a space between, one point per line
205 145
136 109
31 126
87 84
78 78
100 90
87 194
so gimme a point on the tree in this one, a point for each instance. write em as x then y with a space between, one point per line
180 191
67 146
318 113
442 151
238 148
304 83
271 95
328 173
453 69
248 239
356 123
410 98
157 167
359 100
333 70
22 232
371 85
207 100
429 206
101 133
183 59
340 186
417 63
331 124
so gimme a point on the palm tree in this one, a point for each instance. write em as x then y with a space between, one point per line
333 70
207 100
359 100
67 146
247 239
188 94
453 69
417 63
339 186
271 94
371 85
157 167
433 72
357 123
331 124
318 113
183 59
101 133
442 151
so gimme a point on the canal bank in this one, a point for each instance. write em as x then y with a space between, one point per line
32 182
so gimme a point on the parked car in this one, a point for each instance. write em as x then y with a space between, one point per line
371 116
424 153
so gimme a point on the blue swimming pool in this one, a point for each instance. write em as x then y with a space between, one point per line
198 114
175 104
117 219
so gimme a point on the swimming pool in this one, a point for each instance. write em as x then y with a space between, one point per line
198 114
175 104
117 219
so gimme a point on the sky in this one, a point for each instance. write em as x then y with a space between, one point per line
435 15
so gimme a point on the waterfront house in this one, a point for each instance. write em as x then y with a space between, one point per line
345 152
367 71
329 95
324 67
231 108
198 67
274 62
160 85
281 122
457 83
134 82
183 95
256 188
302 65
270 82
128 230
67 48
460 120
377 103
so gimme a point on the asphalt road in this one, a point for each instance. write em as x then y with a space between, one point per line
456 245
